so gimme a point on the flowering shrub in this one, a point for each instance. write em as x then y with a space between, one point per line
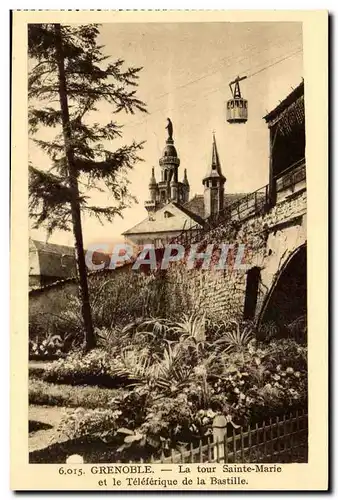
79 368
49 347
82 422
45 393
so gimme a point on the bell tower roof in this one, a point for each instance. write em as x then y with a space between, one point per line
169 149
215 170
169 157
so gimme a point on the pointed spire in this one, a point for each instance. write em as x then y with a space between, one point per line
185 178
152 181
215 163
215 170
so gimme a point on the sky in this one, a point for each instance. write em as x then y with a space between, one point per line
186 72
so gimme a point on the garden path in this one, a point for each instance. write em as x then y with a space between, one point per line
45 419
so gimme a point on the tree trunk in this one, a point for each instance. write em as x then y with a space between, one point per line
90 340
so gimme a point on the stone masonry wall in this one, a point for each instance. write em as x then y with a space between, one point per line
270 239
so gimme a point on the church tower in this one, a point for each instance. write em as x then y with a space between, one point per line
213 183
169 188
169 163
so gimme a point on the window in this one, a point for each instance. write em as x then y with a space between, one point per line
251 294
167 214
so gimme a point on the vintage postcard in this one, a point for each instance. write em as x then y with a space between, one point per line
169 250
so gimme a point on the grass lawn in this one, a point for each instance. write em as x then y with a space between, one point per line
47 404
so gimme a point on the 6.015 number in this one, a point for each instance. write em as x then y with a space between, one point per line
70 471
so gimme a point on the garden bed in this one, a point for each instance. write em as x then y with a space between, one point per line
170 381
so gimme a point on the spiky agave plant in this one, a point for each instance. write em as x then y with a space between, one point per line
235 338
174 370
192 331
168 374
133 365
192 327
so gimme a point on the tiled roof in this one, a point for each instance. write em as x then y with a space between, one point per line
193 215
196 204
230 198
53 248
285 103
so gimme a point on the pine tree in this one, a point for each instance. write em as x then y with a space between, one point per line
70 77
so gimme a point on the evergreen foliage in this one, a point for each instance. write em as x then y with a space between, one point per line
91 79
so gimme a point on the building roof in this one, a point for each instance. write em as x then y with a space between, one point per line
58 260
169 149
196 204
53 248
181 218
285 103
196 217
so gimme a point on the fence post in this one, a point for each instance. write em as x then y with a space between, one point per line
219 426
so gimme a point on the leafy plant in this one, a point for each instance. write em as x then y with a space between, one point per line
235 337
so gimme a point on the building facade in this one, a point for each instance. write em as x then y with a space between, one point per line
49 262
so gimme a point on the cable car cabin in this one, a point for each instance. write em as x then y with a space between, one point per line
237 107
237 110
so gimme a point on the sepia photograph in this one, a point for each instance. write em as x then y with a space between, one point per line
166 354
167 278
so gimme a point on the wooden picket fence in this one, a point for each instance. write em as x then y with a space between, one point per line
276 440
